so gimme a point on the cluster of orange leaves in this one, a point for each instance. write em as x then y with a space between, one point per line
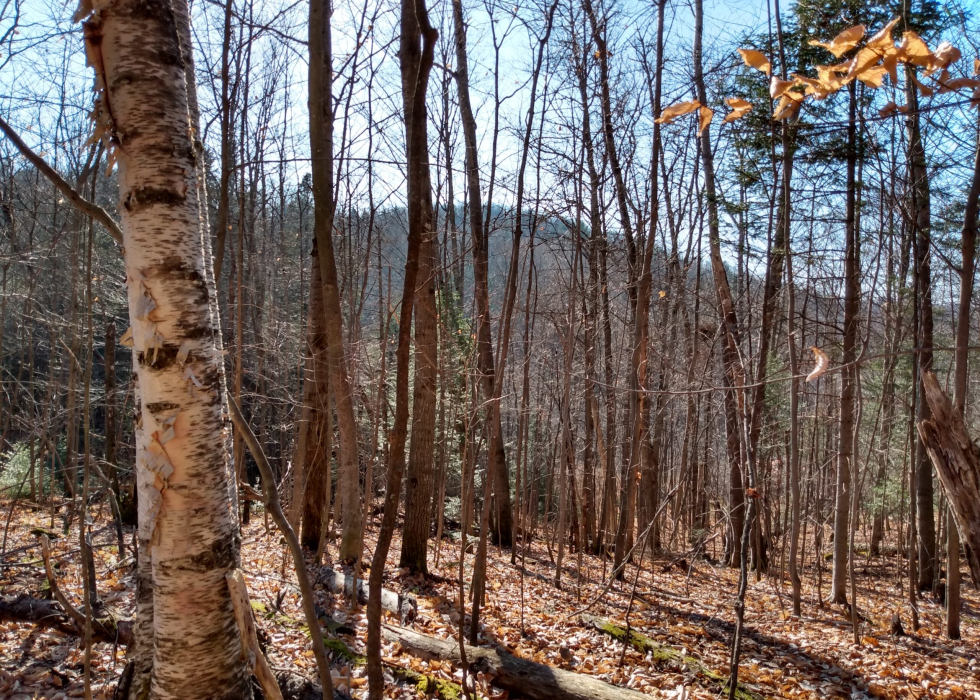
880 56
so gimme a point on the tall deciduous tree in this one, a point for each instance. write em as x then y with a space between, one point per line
324 208
187 522
415 54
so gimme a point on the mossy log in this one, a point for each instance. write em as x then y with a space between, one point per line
519 676
667 655
429 686
296 689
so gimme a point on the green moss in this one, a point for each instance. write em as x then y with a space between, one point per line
276 617
663 654
343 651
428 685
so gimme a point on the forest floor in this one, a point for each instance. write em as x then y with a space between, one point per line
688 608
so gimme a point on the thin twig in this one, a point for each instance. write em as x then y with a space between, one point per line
270 496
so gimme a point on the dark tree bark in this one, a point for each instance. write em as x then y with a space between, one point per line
480 234
318 443
419 489
845 451
324 208
920 218
415 55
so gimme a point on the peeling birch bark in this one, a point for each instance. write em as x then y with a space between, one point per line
188 529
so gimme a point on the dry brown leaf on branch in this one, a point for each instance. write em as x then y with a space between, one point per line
814 87
976 66
788 106
924 89
879 47
889 109
833 78
739 107
827 88
843 42
913 50
862 61
882 40
822 363
677 110
756 59
958 84
812 84
872 76
779 87
890 64
945 55
705 115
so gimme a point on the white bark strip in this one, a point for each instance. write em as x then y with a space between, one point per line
187 513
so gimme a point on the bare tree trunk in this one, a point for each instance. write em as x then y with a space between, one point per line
317 443
567 467
961 384
783 227
227 147
416 53
418 493
110 406
734 372
845 452
484 354
597 529
920 219
187 488
321 145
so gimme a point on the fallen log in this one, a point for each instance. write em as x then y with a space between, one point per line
293 686
404 606
429 686
667 655
106 627
511 673
957 461
47 613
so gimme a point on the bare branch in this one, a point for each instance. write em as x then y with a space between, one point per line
83 205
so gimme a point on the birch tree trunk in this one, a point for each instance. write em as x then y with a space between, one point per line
186 485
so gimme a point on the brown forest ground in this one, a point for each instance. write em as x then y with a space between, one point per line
688 608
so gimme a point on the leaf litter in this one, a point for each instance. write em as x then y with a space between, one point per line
681 603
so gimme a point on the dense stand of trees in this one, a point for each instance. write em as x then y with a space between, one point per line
505 287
